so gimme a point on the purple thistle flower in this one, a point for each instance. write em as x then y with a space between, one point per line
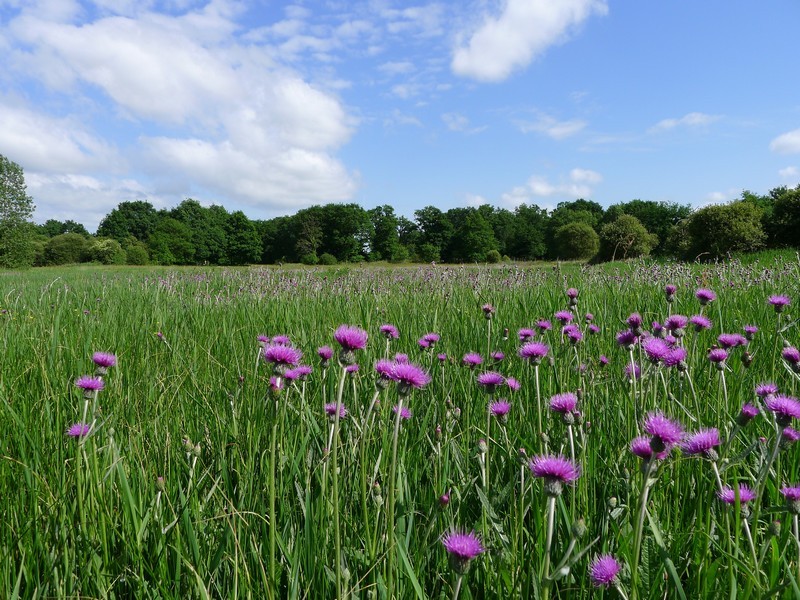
282 357
593 329
784 407
104 360
705 296
675 357
490 381
472 359
89 384
555 470
488 310
564 403
330 410
603 570
703 443
525 334
275 385
676 324
750 331
747 414
656 349
405 412
573 333
718 356
262 339
281 340
543 325
390 332
409 376
588 317
441 356
350 338
634 321
779 302
790 435
640 446
564 317
572 293
513 384
430 340
731 340
351 369
658 329
627 339
670 290
766 389
664 432
534 352
500 409
399 357
603 360
78 430
791 355
462 548
498 356
728 494
792 496
384 368
700 322
632 371
325 353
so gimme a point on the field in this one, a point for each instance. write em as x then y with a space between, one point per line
196 466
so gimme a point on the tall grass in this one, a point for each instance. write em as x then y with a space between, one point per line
200 479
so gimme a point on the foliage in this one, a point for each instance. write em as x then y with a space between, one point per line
474 238
171 243
493 257
137 218
64 249
625 237
658 218
243 243
106 251
785 223
327 259
385 241
720 229
136 252
53 227
576 240
17 250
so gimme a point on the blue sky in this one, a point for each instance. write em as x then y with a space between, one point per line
268 107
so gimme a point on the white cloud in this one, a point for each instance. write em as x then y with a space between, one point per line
458 122
518 35
577 184
787 143
585 176
475 200
397 68
789 173
693 119
558 130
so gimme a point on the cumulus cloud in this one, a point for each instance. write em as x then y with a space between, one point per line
577 184
693 119
789 172
787 143
553 128
522 31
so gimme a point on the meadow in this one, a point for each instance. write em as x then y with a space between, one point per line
564 434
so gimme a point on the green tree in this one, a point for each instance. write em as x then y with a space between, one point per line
785 219
577 211
657 217
435 231
385 241
576 240
720 229
208 229
530 233
473 239
17 248
625 237
106 251
65 249
171 243
137 218
53 227
244 245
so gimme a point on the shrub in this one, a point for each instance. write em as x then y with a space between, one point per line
106 251
309 258
493 257
65 249
327 259
723 228
577 241
625 237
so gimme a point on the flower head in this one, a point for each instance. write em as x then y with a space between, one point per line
747 414
281 340
702 443
513 384
555 470
325 353
784 407
572 293
634 321
750 331
78 430
669 291
534 352
676 324
490 381
390 332
282 357
330 410
728 494
409 376
525 334
640 446
656 349
731 340
766 389
675 357
428 340
405 412
791 355
718 356
472 359
89 384
792 496
627 339
543 325
632 370
779 302
700 322
564 317
664 432
603 570
462 548
104 360
499 408
488 311
350 338
705 296
564 403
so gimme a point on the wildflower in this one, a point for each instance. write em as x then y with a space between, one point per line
573 334
429 340
750 332
490 381
330 410
409 376
728 494
390 332
731 340
634 321
785 408
792 496
656 349
262 339
627 339
658 329
89 384
104 360
640 446
676 324
405 412
325 353
572 293
789 436
588 317
488 311
603 360
351 369
543 325
766 389
513 384
350 339
281 340
525 334
472 360
705 296
593 329
603 570
564 317
718 356
632 371
442 357
500 409
399 357
498 356
664 432
534 352
78 430
747 414
565 404
555 470
779 302
702 443
282 358
675 357
444 499
275 385
792 356
462 549
700 322
669 291
384 368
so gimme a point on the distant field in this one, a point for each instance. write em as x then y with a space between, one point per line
201 478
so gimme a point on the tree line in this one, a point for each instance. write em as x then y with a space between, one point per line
135 232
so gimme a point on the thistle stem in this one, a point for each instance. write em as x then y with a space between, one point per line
335 473
551 514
